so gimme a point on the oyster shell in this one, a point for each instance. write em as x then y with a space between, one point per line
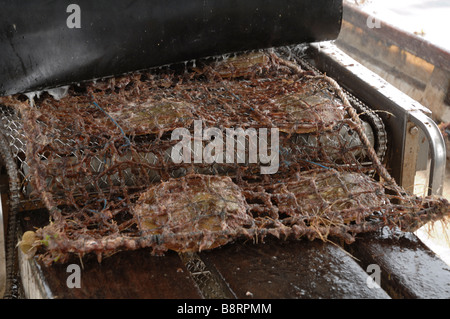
244 65
307 111
331 194
153 117
192 204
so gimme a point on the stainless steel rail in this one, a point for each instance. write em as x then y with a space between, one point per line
398 111
437 151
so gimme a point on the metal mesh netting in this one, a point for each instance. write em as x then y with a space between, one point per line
107 162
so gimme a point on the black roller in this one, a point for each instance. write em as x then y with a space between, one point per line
43 44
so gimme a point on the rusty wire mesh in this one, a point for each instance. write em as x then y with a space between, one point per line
99 160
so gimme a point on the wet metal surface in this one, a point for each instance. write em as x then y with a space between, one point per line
408 268
210 284
126 275
298 269
274 269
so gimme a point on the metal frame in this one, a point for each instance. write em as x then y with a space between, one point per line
399 112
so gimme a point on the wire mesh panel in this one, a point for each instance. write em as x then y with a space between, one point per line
193 156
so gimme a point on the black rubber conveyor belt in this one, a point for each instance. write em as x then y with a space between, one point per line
45 44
